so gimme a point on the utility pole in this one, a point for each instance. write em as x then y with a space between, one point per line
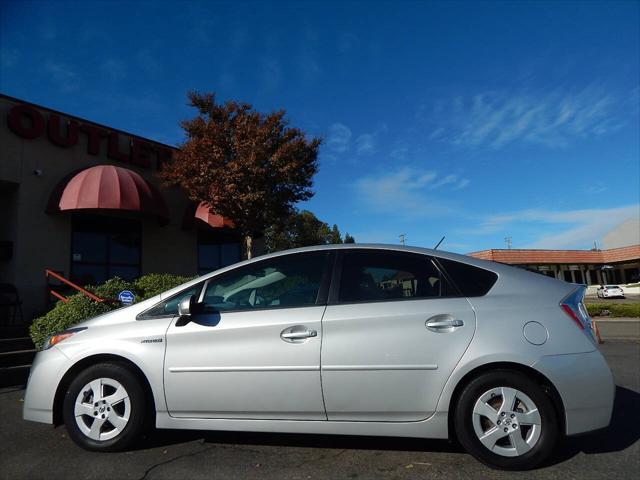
508 241
403 238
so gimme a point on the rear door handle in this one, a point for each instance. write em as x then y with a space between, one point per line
297 334
443 323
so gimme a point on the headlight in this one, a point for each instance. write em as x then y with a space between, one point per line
60 336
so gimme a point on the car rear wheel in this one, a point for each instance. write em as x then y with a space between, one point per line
506 421
104 408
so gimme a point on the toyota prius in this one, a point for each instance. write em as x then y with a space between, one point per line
347 339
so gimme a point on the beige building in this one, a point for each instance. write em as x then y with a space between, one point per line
589 267
84 200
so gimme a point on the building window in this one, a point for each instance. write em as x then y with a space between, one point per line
579 278
216 250
632 274
103 248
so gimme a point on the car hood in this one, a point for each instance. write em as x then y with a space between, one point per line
120 315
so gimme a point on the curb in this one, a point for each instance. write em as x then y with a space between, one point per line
619 328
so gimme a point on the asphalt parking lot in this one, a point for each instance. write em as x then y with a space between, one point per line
31 450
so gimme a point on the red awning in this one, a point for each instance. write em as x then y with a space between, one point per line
107 187
202 212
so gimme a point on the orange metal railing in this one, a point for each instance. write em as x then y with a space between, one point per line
50 273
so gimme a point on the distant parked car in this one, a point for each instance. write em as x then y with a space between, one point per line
610 291
355 340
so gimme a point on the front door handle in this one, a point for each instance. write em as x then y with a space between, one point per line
443 323
297 334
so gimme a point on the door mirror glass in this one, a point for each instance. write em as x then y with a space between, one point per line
184 307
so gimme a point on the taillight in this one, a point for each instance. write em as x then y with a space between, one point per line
574 307
569 311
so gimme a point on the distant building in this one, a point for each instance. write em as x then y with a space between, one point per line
591 267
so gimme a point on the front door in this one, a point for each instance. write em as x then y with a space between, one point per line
253 351
392 334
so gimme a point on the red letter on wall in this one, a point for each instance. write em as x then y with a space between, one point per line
94 135
141 153
56 137
36 121
114 149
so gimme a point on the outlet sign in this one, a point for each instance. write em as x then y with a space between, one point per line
29 123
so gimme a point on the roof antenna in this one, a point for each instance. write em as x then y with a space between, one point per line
438 244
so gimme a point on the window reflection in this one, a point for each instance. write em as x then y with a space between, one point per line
103 248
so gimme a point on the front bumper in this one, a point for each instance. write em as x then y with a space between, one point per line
46 372
586 387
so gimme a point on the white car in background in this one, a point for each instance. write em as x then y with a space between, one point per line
609 291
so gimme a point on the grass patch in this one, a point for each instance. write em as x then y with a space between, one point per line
614 309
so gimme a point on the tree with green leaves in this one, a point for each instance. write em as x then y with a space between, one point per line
301 229
249 167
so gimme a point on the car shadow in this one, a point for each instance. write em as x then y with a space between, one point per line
163 438
623 432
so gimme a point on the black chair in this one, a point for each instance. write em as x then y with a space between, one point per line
10 300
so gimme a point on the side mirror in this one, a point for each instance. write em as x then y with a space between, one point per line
184 307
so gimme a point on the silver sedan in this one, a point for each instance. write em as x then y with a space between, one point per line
357 340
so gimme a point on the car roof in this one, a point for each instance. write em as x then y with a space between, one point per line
388 247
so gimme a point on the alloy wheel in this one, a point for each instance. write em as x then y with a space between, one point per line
102 409
506 421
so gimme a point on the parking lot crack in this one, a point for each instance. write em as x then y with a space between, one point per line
171 460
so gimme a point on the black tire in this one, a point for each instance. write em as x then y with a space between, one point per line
466 435
137 414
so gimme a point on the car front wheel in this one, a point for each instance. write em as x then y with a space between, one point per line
104 408
506 421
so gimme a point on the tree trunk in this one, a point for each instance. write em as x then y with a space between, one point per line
248 246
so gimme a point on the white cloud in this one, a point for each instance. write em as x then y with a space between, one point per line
365 144
339 138
496 119
569 229
8 57
113 69
271 72
347 42
404 193
63 75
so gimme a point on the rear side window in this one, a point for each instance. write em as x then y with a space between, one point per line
472 281
370 276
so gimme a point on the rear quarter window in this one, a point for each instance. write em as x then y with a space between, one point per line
471 281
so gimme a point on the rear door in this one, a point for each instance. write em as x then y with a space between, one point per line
393 331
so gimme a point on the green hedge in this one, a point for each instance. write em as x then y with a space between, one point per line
80 308
614 309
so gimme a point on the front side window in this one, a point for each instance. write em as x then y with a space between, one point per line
369 276
169 307
287 281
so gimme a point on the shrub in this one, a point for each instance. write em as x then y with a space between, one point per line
156 283
614 309
79 307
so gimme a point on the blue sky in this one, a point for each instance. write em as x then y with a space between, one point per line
474 120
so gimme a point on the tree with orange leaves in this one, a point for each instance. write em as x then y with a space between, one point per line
249 167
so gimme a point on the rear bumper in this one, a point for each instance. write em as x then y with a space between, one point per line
586 387
46 372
